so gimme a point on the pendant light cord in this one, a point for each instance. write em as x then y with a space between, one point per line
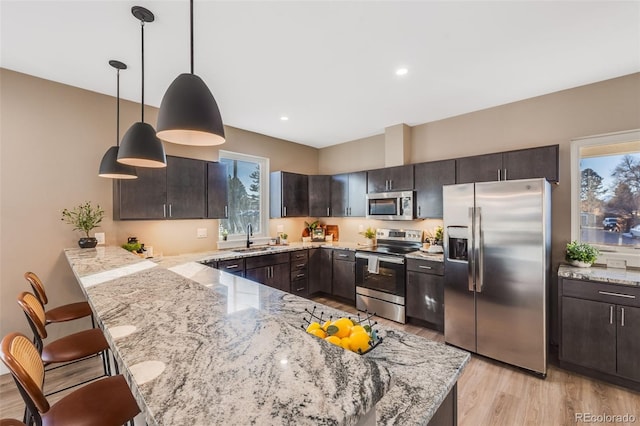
142 103
191 23
118 108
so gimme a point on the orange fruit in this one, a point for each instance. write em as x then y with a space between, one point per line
313 326
344 327
333 339
359 340
318 332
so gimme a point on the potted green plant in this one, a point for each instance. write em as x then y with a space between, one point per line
582 255
284 239
84 217
370 235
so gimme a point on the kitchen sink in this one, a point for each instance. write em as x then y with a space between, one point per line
252 249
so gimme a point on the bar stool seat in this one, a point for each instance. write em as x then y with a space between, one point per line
63 313
68 312
11 422
75 346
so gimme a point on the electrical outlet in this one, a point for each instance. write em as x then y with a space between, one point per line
201 233
616 263
100 237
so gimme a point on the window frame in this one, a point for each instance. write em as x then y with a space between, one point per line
607 252
264 190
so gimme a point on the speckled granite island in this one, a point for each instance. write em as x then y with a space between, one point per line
202 347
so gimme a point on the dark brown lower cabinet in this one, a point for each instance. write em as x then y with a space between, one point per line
320 270
425 293
600 330
299 273
272 270
344 275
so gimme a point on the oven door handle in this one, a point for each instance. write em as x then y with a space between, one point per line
388 259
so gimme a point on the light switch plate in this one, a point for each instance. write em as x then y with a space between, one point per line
100 237
201 233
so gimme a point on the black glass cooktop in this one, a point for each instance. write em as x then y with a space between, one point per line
393 250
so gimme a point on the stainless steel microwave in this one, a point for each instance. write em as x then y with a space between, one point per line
390 206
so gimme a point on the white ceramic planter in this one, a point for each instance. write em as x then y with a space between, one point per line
579 264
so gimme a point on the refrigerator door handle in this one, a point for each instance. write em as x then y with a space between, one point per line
471 258
480 250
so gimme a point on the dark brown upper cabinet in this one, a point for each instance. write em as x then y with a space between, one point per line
541 162
217 191
348 194
319 196
429 178
398 178
289 195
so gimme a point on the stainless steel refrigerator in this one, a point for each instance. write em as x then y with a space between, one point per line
497 261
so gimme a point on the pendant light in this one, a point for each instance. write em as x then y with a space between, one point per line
189 114
140 146
109 166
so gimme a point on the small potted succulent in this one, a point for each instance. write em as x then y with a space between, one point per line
84 217
284 239
582 255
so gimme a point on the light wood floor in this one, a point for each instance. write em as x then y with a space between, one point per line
489 393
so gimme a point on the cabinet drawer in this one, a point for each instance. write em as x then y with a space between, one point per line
425 266
300 255
266 260
300 274
299 264
601 292
344 255
232 265
299 287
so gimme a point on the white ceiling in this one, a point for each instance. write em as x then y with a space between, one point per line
329 65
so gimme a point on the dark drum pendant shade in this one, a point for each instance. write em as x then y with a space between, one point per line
140 146
189 114
109 166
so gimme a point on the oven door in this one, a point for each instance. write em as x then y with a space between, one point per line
389 277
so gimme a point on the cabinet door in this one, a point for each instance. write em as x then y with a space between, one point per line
628 350
429 178
319 196
481 168
425 298
344 279
279 277
358 194
588 334
186 188
339 195
377 181
531 163
320 264
401 178
258 275
142 198
295 195
217 191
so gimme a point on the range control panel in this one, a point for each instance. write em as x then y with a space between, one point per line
410 235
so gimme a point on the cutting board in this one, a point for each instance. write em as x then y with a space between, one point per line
333 230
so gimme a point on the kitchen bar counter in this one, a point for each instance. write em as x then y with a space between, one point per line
226 350
629 277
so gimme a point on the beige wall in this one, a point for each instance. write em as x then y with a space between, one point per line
53 137
361 154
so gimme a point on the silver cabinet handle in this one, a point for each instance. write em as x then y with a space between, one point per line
505 174
343 255
391 184
164 210
499 174
628 296
328 212
300 265
285 211
424 267
299 275
231 266
622 319
170 214
346 211
418 210
300 289
611 314
226 211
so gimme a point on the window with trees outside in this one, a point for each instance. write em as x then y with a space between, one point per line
608 187
247 180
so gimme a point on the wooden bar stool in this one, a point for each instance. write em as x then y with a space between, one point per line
106 402
11 422
63 313
69 349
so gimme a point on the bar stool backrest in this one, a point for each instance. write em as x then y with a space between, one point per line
37 286
23 360
34 312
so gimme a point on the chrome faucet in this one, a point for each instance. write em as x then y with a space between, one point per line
249 234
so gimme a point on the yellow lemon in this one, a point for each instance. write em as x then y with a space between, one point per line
357 328
359 340
313 326
344 327
333 339
345 342
326 325
318 332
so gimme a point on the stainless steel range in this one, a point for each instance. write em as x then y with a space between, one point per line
380 273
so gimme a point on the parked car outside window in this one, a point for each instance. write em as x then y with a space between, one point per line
611 224
635 231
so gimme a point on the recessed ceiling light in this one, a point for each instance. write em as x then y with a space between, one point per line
284 118
401 71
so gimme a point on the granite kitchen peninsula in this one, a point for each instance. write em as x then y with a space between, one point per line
198 346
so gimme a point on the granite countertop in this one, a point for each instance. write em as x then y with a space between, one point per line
189 334
629 277
423 255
